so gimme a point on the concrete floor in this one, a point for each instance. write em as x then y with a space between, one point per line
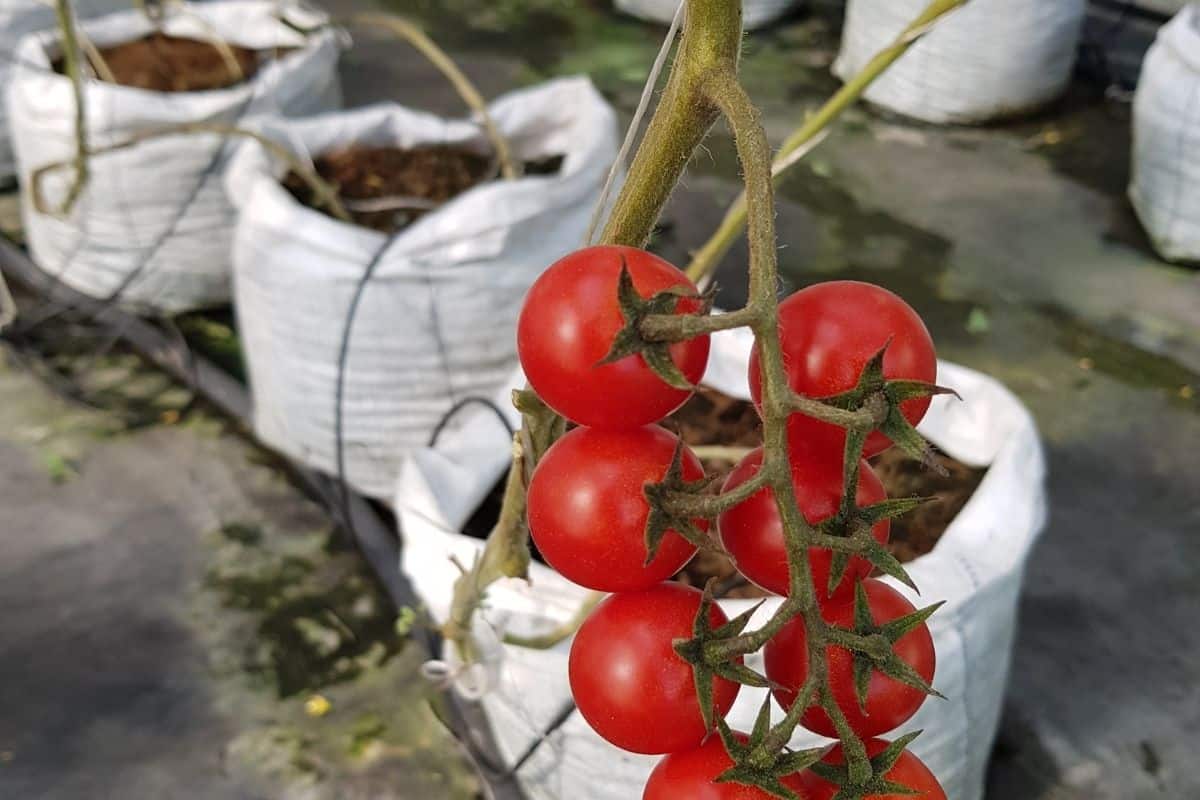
181 623
136 662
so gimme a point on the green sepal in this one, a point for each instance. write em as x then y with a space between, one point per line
629 340
863 667
659 521
899 627
890 509
837 571
740 673
883 560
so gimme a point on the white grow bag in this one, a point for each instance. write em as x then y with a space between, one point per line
988 60
977 568
21 17
1165 188
436 318
755 13
153 222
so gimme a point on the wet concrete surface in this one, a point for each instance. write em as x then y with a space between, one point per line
1016 244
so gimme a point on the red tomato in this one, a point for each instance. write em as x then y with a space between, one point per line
753 533
587 512
909 771
689 775
567 327
889 702
829 332
627 680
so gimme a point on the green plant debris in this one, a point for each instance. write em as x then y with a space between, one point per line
366 731
978 322
319 620
58 467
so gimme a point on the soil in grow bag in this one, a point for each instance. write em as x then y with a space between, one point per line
388 188
711 418
162 63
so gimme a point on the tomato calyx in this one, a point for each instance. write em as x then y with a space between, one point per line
872 646
882 398
697 652
668 514
630 340
760 760
877 783
852 525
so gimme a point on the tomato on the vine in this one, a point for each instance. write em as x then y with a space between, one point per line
691 775
752 531
909 771
587 511
627 680
890 703
829 332
567 327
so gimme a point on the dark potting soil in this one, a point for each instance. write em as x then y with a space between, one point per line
388 188
162 63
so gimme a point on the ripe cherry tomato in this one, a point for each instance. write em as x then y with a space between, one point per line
627 680
567 327
690 775
909 771
889 702
829 332
753 533
587 512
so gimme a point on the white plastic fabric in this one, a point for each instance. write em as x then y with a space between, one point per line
755 13
18 18
989 59
1165 187
153 223
977 568
435 322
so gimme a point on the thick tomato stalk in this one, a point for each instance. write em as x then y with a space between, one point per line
567 327
829 332
627 680
752 531
890 703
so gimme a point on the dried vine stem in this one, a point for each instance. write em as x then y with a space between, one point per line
462 84
73 69
816 128
324 193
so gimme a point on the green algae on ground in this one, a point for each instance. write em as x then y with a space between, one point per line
318 619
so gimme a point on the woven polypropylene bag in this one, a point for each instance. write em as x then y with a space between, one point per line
1165 188
436 320
21 17
755 13
989 59
152 228
977 568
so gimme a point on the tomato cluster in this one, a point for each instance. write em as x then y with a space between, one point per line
588 512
